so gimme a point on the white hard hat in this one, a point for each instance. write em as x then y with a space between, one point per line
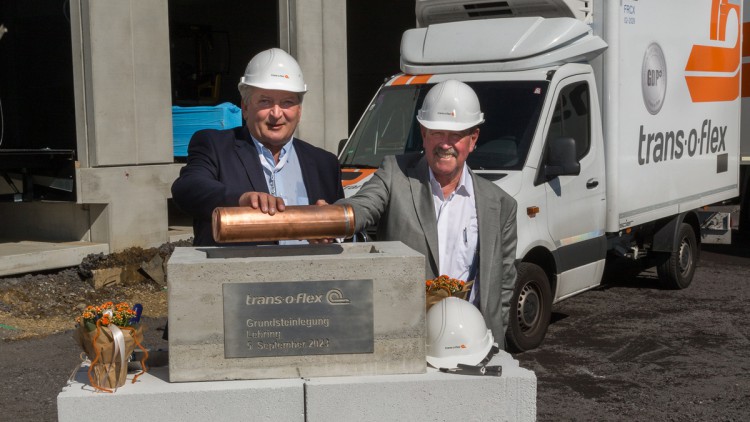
456 333
450 105
274 69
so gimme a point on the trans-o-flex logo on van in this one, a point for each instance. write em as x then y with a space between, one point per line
712 72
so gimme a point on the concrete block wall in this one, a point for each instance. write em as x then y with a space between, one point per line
434 396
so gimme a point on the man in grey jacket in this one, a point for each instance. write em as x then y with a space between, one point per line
464 225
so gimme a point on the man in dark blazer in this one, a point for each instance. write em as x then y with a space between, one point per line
464 225
260 164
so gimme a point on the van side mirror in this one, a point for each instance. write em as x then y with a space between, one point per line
561 159
341 146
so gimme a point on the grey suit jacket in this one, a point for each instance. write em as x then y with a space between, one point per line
399 199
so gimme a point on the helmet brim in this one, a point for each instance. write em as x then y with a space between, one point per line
451 126
276 87
452 362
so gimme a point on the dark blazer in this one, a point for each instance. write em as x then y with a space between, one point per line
399 199
224 164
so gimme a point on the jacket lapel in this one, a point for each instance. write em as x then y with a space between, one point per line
419 179
308 166
488 212
248 155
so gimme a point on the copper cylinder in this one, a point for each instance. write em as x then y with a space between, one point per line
303 222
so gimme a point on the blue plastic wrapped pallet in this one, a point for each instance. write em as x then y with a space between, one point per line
188 120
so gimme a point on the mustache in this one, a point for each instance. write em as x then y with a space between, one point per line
444 152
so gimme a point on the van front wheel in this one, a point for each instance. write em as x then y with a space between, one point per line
530 309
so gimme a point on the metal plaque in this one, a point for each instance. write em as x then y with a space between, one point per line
295 318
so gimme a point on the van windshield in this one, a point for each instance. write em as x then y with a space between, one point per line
389 126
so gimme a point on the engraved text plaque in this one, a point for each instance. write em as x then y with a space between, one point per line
298 318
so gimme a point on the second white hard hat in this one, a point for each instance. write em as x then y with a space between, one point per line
450 105
274 69
456 333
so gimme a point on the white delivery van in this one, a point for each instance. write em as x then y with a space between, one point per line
610 122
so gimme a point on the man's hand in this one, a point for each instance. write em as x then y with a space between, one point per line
321 241
267 203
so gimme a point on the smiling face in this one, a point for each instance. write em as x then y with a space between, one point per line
272 116
446 152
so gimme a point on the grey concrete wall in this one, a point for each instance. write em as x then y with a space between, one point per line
123 119
314 32
136 203
122 81
48 221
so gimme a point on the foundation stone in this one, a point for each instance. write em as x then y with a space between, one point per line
262 312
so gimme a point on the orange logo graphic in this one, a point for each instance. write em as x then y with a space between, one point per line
351 176
713 59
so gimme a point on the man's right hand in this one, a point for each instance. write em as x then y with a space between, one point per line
265 202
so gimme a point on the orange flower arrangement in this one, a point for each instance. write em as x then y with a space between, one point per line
108 334
441 287
445 283
107 313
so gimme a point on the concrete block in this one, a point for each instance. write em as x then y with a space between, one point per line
152 397
431 396
197 278
434 396
106 277
154 269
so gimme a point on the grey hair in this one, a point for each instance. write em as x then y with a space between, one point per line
245 92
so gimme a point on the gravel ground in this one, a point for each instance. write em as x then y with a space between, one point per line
631 351
625 351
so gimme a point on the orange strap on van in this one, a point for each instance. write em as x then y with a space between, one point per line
411 80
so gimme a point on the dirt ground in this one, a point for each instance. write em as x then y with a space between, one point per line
625 351
35 305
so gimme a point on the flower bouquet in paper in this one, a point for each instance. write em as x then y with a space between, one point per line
441 287
108 334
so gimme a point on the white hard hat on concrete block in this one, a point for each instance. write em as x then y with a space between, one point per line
274 69
450 105
456 333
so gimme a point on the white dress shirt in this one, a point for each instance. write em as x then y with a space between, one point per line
457 228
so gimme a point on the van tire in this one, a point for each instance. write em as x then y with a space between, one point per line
530 309
677 270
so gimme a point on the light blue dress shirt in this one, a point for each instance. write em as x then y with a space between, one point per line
284 179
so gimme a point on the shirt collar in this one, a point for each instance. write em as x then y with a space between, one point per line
465 185
263 150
